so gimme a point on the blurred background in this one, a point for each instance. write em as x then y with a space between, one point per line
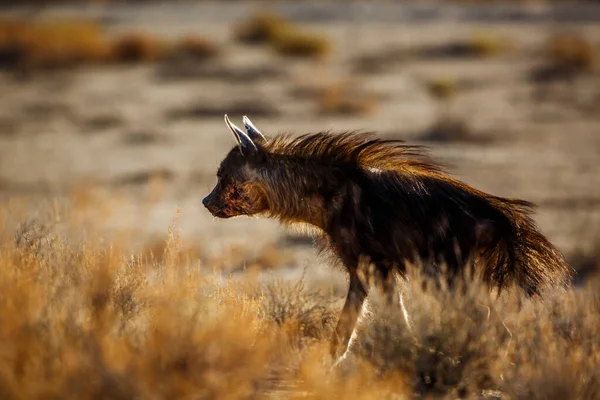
113 110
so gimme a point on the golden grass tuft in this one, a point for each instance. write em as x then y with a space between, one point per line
36 45
261 28
137 47
302 44
283 36
52 44
572 52
197 47
479 44
486 45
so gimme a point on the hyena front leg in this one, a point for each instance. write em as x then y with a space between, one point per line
344 332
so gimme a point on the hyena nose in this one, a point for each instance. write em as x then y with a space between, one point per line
205 202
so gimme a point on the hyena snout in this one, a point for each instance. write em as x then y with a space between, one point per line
215 204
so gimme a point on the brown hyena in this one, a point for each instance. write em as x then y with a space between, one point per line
377 199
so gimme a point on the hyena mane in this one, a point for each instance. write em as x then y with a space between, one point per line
385 201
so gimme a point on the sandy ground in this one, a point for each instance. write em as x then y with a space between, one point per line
118 127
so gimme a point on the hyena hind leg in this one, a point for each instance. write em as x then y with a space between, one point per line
345 332
343 360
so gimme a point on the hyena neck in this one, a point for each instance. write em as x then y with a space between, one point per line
298 192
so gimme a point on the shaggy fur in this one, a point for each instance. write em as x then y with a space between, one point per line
380 200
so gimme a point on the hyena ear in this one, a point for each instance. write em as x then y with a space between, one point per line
246 144
253 131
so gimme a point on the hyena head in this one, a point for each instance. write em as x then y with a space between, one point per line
238 190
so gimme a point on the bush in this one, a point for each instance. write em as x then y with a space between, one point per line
300 44
478 45
262 28
137 47
485 45
196 47
283 36
83 318
571 52
35 45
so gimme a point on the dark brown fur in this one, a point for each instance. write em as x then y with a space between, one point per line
378 199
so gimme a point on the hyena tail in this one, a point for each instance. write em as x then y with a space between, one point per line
523 256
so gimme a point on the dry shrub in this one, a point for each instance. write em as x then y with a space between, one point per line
261 28
466 343
303 314
443 88
479 44
137 47
197 47
346 99
85 322
87 319
283 36
301 44
572 52
486 45
35 45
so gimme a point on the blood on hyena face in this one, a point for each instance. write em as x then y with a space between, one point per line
237 191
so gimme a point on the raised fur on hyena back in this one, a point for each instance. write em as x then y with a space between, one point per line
379 199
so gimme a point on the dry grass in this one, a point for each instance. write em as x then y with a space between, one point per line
261 28
572 52
38 45
283 36
138 47
486 45
88 319
568 55
35 45
197 47
476 45
301 44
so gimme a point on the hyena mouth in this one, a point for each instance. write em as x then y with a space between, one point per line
223 213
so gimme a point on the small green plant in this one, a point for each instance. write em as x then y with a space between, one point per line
443 88
486 45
